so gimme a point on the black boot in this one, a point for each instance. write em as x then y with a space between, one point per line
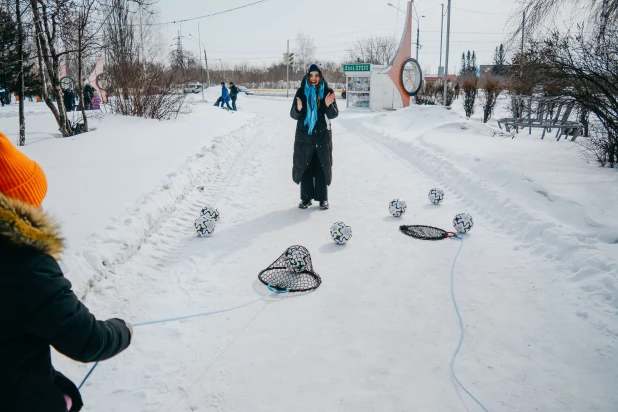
324 204
304 204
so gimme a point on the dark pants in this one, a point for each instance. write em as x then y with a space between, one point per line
220 99
313 184
234 102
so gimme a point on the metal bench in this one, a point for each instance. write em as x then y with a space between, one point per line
546 113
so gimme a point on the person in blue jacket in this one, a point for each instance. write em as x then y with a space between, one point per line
225 96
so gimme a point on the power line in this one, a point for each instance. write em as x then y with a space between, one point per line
211 15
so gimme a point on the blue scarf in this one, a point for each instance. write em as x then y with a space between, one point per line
312 105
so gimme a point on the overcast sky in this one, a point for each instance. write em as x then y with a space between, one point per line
258 33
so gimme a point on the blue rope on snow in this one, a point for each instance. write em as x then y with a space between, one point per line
461 326
88 375
152 322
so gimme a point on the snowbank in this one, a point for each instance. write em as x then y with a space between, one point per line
100 181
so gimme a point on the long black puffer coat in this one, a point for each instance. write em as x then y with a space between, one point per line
320 141
39 309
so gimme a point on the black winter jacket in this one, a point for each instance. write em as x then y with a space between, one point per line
39 309
320 141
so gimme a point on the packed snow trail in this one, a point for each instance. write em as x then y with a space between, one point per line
380 331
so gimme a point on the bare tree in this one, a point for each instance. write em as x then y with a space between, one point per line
21 85
585 67
80 37
304 52
142 86
537 12
374 50
46 16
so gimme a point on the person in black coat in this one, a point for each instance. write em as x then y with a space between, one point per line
234 94
313 108
88 95
69 99
38 307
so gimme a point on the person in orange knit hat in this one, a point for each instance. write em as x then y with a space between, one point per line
38 306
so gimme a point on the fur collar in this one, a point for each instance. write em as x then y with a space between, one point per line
25 225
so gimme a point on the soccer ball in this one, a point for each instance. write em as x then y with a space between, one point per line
204 226
397 207
296 259
211 213
463 223
341 233
436 196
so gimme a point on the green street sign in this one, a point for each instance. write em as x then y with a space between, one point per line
357 67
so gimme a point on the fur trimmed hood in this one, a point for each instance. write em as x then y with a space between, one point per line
22 224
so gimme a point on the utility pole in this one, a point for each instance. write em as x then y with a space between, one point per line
448 36
207 70
199 40
182 59
287 72
417 37
441 29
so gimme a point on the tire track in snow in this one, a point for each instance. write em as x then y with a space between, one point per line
594 273
123 239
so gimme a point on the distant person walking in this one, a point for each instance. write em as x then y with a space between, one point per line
88 94
225 97
234 91
313 108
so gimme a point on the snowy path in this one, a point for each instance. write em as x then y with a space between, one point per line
378 334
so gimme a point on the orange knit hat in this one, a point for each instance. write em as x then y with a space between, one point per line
20 177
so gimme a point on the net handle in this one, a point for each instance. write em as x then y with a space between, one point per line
276 290
451 235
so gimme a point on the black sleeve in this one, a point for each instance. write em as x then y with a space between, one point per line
294 113
55 315
333 111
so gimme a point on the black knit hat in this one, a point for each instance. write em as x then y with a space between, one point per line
314 68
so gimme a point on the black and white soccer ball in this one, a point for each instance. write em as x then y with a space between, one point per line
340 233
436 196
463 222
397 207
211 213
296 259
204 226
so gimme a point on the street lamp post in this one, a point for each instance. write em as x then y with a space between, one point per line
205 58
418 24
199 42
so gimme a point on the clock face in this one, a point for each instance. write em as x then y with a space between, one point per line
67 83
411 77
104 81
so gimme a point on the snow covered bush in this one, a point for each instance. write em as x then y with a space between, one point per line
432 93
491 88
469 85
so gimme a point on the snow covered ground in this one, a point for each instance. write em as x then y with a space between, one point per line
535 281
